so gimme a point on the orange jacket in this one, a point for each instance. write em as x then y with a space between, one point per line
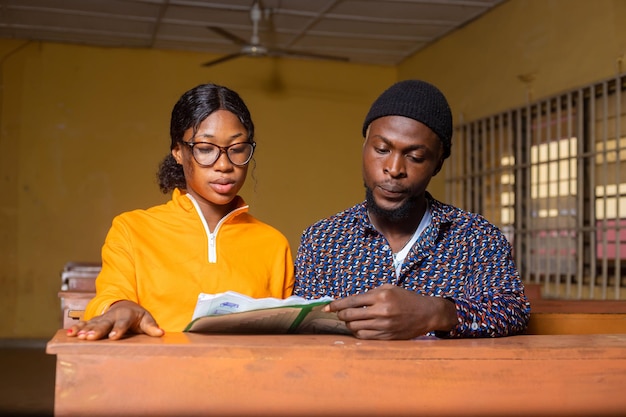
163 257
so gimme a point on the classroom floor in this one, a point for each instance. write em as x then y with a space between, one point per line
26 379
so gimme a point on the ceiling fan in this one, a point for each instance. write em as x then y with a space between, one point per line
254 48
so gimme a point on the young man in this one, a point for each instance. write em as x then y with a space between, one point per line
402 264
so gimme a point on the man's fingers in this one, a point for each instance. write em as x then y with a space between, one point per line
356 313
366 299
352 301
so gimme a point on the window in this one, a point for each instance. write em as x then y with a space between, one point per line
550 176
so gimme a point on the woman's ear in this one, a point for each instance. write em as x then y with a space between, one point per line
178 154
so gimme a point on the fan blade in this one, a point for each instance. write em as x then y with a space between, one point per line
222 59
303 54
227 35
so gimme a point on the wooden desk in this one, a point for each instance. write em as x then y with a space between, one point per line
288 375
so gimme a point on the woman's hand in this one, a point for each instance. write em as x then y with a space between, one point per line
121 318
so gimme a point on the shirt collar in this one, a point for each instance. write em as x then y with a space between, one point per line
185 200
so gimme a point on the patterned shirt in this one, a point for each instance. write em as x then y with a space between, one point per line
460 256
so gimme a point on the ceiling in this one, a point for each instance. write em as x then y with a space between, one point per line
380 32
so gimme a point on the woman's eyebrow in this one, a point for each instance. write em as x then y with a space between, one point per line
208 135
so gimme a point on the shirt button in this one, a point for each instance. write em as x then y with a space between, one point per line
386 247
474 326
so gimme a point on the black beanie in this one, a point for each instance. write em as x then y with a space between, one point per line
417 100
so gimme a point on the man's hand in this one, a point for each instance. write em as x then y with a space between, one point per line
391 312
123 317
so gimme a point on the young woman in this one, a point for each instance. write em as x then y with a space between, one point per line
155 262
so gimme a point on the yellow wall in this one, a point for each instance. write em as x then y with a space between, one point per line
521 51
557 44
82 129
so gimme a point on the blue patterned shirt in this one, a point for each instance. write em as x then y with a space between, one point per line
460 256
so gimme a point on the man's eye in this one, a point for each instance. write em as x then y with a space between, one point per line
415 158
381 150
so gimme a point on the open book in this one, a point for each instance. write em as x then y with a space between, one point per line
231 312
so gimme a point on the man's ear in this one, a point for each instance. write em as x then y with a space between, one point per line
438 167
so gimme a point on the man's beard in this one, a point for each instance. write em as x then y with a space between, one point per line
401 213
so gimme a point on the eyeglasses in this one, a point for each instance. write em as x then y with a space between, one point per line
206 154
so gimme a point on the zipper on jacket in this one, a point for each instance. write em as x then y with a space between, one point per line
212 248
212 237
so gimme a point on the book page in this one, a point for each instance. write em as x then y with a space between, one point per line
278 320
231 312
234 302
